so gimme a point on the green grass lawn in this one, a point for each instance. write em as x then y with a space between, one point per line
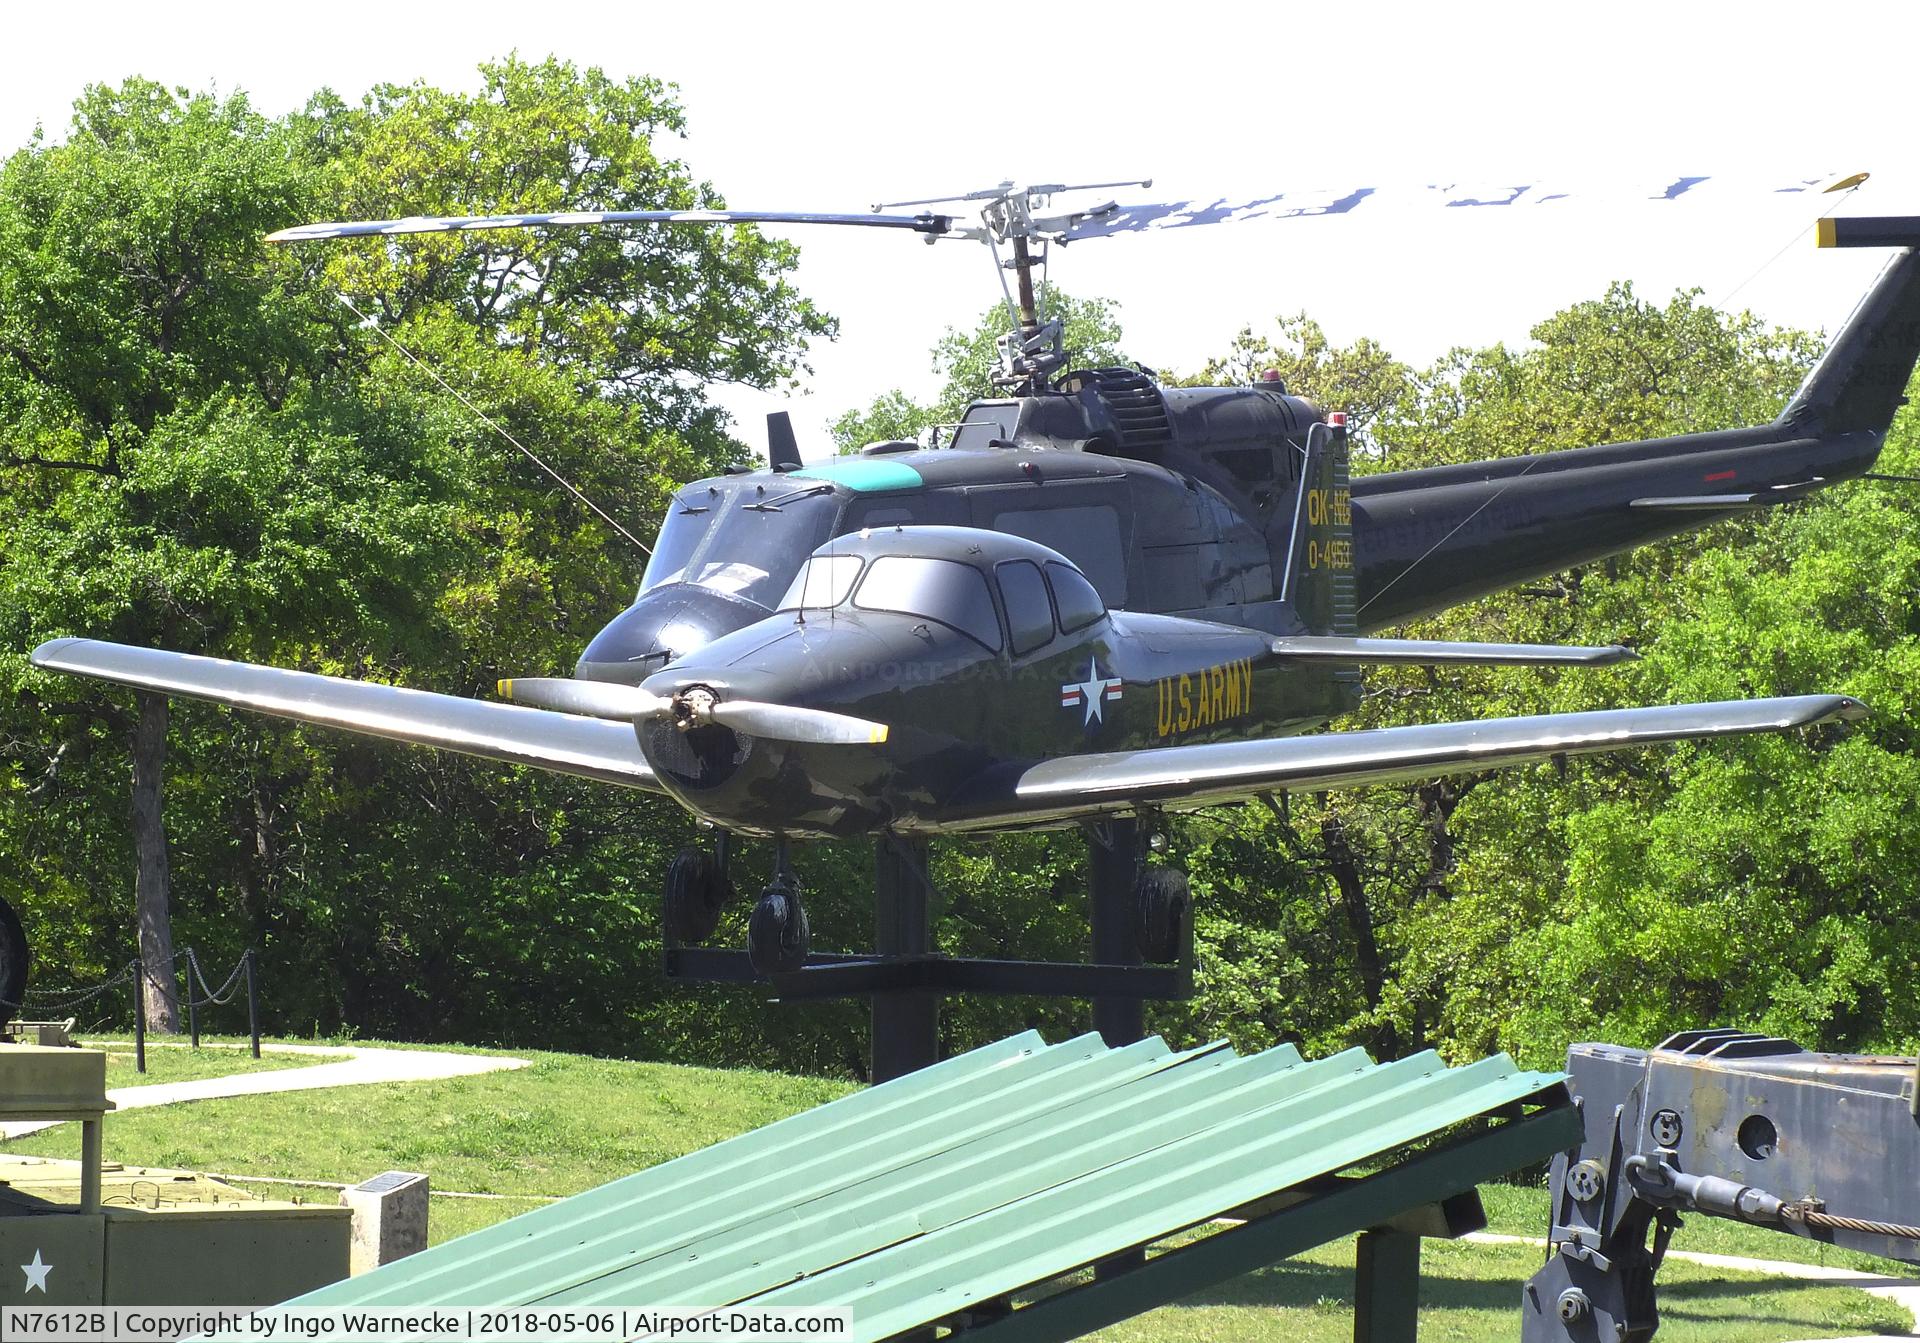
1471 1294
171 1063
568 1123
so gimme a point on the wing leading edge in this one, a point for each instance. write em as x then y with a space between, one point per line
1190 776
564 743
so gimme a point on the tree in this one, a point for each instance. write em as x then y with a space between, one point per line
966 360
208 454
131 296
1487 911
1361 379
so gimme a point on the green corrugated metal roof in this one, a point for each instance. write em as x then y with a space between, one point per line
967 1181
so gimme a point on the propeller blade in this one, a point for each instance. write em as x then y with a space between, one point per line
590 699
930 224
786 722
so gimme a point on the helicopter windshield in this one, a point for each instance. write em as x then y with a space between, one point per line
688 521
749 541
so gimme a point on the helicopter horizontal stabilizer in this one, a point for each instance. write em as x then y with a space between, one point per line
1868 231
1184 777
1436 651
564 743
1709 503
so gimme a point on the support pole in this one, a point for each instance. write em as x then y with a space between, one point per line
193 1012
1113 868
140 1015
90 1163
253 1002
1386 1287
906 1025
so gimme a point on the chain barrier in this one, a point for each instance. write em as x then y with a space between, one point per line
185 965
49 1000
219 997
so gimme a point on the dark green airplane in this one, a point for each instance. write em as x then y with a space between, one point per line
1100 598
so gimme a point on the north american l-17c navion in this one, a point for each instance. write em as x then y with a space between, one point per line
1098 597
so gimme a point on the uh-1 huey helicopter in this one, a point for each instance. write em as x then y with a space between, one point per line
1099 597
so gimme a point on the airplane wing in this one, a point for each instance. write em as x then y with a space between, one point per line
565 743
1436 652
1183 777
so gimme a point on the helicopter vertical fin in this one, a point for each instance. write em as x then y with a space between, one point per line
783 449
1319 580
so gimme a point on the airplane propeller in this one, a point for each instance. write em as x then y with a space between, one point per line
693 708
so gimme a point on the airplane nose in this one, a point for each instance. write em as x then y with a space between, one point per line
664 625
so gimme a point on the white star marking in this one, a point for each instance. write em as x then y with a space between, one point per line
36 1274
1093 692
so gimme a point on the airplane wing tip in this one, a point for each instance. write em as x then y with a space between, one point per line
47 655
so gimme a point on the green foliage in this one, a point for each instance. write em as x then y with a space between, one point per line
1362 378
1755 882
202 450
967 361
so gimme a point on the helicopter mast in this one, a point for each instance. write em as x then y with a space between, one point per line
1034 350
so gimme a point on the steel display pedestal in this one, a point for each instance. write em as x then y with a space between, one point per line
905 979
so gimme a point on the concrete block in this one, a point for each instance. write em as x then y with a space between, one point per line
389 1218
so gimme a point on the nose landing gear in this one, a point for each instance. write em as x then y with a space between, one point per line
777 933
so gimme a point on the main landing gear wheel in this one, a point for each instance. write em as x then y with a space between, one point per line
698 888
1164 905
13 963
777 935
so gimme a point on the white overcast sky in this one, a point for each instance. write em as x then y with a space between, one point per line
835 107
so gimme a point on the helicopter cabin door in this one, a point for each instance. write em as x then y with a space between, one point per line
1088 521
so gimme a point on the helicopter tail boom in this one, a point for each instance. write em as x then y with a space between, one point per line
1431 538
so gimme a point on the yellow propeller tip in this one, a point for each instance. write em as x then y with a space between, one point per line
504 688
879 735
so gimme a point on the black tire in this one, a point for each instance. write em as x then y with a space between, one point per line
13 963
777 933
698 888
1164 905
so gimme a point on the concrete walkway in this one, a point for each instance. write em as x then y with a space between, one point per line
350 1065
1903 1292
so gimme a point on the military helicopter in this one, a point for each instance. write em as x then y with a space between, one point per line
1097 597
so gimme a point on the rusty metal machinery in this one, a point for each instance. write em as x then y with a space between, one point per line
1722 1123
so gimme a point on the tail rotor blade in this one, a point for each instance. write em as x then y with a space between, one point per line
785 722
591 699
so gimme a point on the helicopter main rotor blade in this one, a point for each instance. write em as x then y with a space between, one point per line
786 722
1108 220
590 699
930 224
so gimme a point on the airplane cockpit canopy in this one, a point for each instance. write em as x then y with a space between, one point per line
951 575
